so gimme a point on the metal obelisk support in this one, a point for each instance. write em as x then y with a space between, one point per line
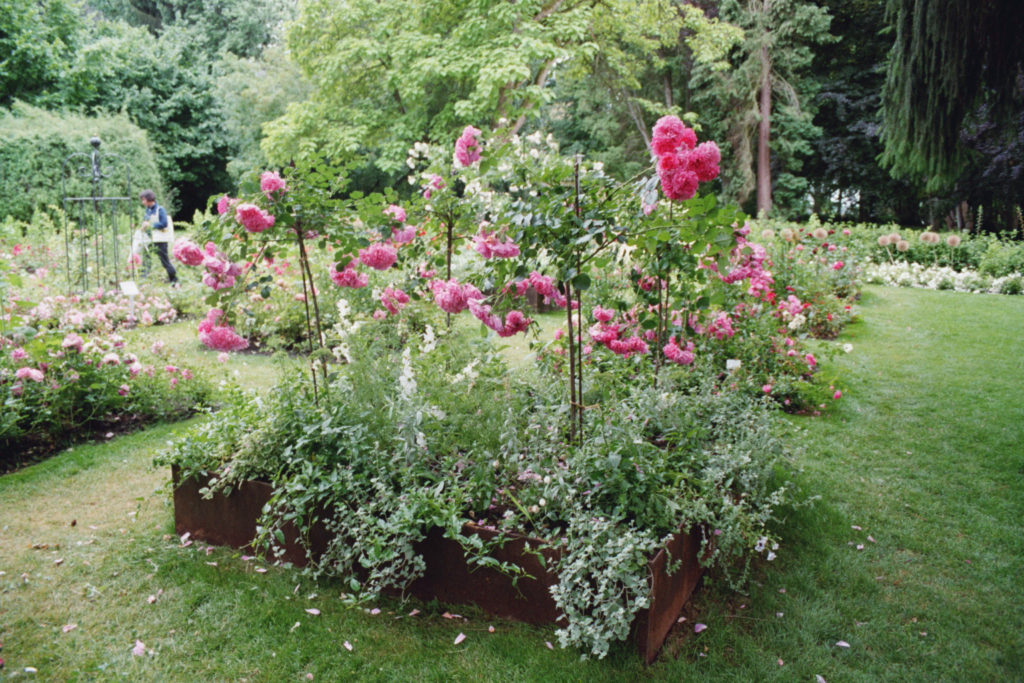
91 222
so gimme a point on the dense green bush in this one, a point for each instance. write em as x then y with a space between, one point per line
34 144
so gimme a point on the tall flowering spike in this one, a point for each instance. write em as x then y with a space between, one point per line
272 184
378 256
467 147
253 218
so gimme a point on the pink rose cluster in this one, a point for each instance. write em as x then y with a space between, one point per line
396 213
349 276
487 245
220 272
436 182
393 299
749 259
220 337
225 204
683 355
609 334
452 297
682 163
513 323
467 147
272 185
545 286
253 218
188 252
378 256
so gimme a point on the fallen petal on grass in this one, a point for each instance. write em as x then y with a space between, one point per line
348 646
459 638
697 628
314 611
842 643
139 649
414 613
67 628
490 629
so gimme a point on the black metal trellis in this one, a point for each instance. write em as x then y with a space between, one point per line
97 228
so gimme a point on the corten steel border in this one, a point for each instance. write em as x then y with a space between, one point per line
231 520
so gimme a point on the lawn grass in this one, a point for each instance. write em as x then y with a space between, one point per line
924 453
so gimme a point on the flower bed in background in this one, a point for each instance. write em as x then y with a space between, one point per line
902 274
57 388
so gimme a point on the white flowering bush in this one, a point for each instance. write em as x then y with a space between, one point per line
903 274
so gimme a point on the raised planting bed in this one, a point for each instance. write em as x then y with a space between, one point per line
231 520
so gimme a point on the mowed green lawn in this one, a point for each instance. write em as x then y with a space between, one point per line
925 454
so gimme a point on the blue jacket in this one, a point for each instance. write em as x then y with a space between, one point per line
161 216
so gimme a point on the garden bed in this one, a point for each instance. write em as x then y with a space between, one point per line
231 520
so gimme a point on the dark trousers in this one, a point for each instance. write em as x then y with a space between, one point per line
161 249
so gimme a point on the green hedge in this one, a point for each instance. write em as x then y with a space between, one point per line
34 144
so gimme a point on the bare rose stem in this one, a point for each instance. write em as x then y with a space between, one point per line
305 301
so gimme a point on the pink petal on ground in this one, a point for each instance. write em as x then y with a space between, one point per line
782 590
309 677
59 560
490 629
260 570
314 611
818 678
855 527
860 546
548 643
184 536
151 599
781 663
459 638
697 628
375 611
842 643
247 558
212 564
449 615
69 627
414 613
778 614
348 646
680 620
139 649
872 539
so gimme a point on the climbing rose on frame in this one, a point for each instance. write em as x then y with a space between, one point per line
225 203
670 133
220 337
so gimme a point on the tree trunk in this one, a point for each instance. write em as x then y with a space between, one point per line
764 170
